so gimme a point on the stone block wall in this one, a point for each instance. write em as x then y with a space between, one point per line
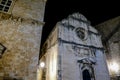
107 27
111 37
33 9
20 32
21 37
49 57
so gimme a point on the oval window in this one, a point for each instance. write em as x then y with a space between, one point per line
80 33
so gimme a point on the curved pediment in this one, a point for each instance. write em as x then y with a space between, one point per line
78 16
77 29
75 20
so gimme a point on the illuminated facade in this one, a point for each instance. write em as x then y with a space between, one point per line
73 51
21 23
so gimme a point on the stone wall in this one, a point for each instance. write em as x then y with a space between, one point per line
107 27
33 9
20 33
111 33
49 57
22 38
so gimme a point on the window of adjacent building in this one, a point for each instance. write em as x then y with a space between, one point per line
5 5
2 49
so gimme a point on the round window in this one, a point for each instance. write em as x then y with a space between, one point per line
80 32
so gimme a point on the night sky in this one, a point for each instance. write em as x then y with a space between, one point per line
95 11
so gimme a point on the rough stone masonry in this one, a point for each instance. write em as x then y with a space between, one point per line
20 32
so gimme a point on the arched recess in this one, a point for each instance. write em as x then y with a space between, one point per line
86 75
86 71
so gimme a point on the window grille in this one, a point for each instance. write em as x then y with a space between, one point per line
5 5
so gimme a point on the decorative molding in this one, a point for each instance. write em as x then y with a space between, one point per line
77 44
86 64
12 18
81 33
88 60
90 32
73 27
59 68
81 20
67 26
82 51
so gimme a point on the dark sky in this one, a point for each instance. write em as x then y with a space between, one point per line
95 11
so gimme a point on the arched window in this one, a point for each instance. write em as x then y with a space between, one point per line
86 75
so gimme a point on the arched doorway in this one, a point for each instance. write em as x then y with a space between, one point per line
86 75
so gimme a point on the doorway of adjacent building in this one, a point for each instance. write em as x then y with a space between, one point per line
86 75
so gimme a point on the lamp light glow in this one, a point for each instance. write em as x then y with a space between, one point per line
42 64
114 67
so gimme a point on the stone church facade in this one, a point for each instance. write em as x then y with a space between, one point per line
21 23
73 51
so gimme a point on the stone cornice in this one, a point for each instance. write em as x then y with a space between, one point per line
4 16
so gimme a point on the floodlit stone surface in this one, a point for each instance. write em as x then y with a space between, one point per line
111 37
20 33
33 9
78 48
